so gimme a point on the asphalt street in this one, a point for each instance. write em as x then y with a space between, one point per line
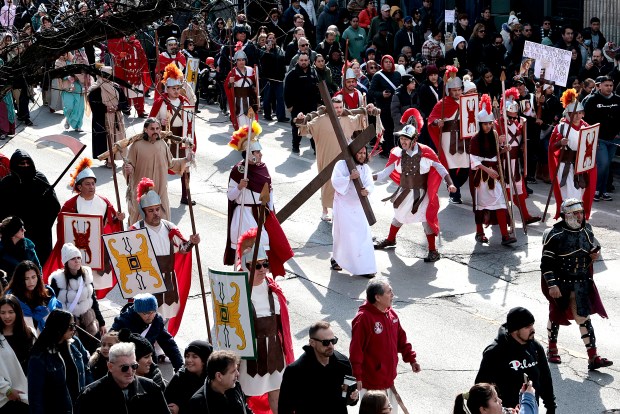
450 309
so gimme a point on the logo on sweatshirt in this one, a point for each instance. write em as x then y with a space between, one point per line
517 365
378 328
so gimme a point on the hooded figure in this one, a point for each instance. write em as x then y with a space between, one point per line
383 85
32 199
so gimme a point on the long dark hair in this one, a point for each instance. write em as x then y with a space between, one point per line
373 402
17 286
56 326
21 332
478 397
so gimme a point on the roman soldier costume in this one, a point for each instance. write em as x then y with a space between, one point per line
242 95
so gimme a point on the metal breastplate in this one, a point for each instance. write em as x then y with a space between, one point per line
573 255
410 180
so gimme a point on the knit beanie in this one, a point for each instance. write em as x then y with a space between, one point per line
68 252
518 318
10 226
143 346
201 348
144 303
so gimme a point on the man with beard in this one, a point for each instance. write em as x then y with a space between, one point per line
569 249
323 370
515 352
170 55
32 199
151 157
352 97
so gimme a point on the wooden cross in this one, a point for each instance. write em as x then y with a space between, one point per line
347 153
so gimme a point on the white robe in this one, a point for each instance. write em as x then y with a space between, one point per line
248 221
487 199
569 190
457 160
258 385
353 249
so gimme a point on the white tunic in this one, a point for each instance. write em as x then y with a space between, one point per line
248 221
569 190
403 213
513 163
457 160
353 249
243 119
487 199
258 385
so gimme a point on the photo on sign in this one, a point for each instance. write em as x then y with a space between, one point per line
586 148
527 64
527 109
84 231
550 63
134 262
234 324
468 122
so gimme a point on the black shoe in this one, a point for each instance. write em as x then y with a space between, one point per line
606 197
597 196
28 122
127 113
455 200
531 180
368 275
295 150
529 190
508 239
143 115
186 202
433 256
197 111
284 119
268 118
381 245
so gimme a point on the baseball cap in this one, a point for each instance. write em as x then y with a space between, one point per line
385 7
408 19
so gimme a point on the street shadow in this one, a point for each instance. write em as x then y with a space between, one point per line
410 282
565 389
226 163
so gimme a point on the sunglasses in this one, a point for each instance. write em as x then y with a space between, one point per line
260 266
372 67
73 326
125 368
512 118
326 342
304 45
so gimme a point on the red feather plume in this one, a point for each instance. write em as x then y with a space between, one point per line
246 241
84 163
238 46
144 186
512 93
413 116
452 69
485 103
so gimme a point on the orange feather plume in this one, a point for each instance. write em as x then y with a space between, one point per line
144 186
569 96
485 103
172 71
84 163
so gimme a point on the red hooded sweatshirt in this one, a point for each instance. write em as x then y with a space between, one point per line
377 338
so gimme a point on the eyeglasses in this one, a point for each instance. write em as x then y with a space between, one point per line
259 266
304 45
372 67
73 326
125 368
326 342
512 118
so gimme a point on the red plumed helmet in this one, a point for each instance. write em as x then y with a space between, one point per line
485 103
246 241
144 186
512 93
414 117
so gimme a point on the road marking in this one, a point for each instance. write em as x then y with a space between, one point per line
213 212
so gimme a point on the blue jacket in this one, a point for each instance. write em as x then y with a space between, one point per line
11 257
157 333
47 382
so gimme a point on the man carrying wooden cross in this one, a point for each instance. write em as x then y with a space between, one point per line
319 126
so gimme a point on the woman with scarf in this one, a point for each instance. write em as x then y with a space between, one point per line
14 246
383 85
485 182
74 288
36 299
107 102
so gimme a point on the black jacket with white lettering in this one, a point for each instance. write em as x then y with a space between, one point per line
604 110
505 361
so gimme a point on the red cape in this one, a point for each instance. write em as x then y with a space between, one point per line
451 106
434 179
110 225
183 270
553 156
260 404
134 70
163 61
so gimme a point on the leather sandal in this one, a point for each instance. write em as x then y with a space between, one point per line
335 265
433 256
597 362
553 356
481 238
380 245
